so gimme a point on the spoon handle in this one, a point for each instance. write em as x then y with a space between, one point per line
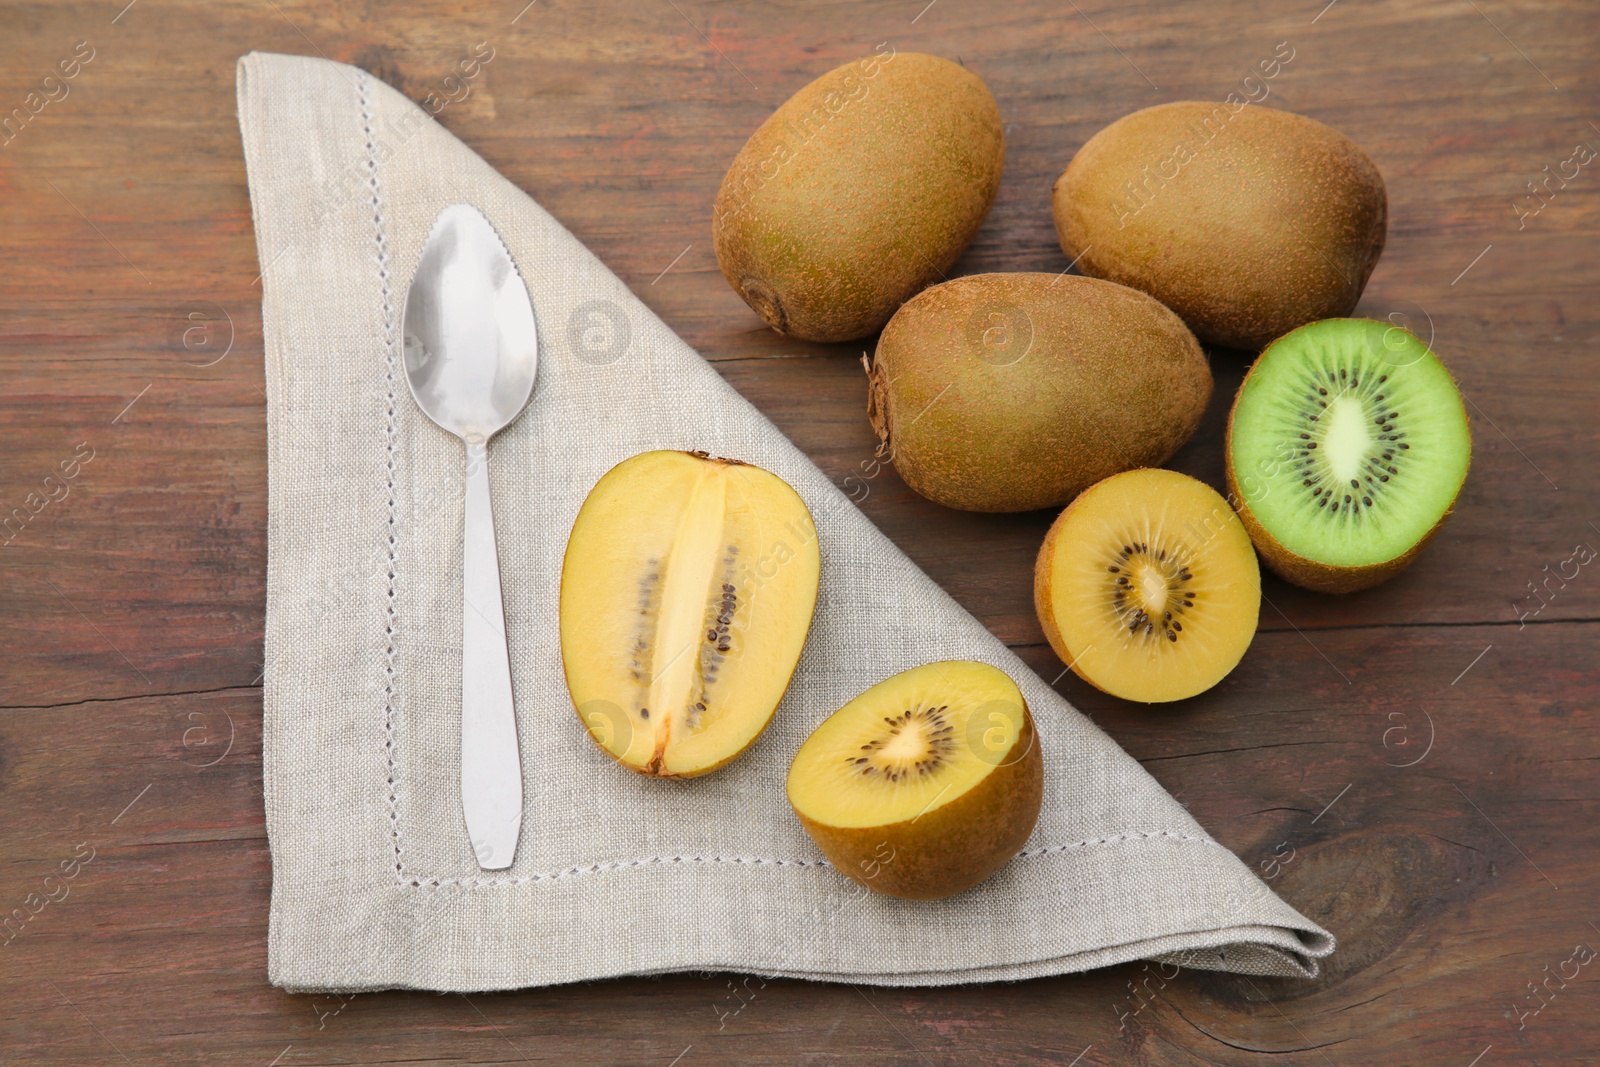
491 765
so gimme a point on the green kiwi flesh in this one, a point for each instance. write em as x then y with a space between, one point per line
1347 446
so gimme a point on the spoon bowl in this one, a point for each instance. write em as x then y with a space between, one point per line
471 343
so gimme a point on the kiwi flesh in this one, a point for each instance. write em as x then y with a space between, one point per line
1147 586
686 595
925 784
1348 444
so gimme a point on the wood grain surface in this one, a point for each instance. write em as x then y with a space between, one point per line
1413 766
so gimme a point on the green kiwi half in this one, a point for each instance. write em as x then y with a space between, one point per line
1347 446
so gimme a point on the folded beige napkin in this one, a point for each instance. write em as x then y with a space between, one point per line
374 882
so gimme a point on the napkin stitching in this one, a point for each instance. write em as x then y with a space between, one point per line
391 419
619 865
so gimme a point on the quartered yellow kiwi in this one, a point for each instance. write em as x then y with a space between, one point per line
924 785
686 596
1148 587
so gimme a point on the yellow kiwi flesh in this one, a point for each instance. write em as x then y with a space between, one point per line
859 190
686 595
1246 221
925 784
1148 587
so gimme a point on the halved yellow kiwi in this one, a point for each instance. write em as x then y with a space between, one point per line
1147 586
925 784
686 596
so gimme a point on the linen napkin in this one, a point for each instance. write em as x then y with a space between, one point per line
374 880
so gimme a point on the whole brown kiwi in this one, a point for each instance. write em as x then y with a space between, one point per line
1010 392
1247 221
862 188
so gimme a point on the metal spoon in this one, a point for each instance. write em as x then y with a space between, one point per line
471 354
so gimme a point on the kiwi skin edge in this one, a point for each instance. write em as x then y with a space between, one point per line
1309 573
951 848
1043 573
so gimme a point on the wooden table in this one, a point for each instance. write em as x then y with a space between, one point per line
1413 766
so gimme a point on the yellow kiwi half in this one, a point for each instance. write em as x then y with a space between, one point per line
686 596
1148 587
925 784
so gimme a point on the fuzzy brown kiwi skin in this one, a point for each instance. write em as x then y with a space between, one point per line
951 848
1261 280
862 188
1111 381
1297 569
